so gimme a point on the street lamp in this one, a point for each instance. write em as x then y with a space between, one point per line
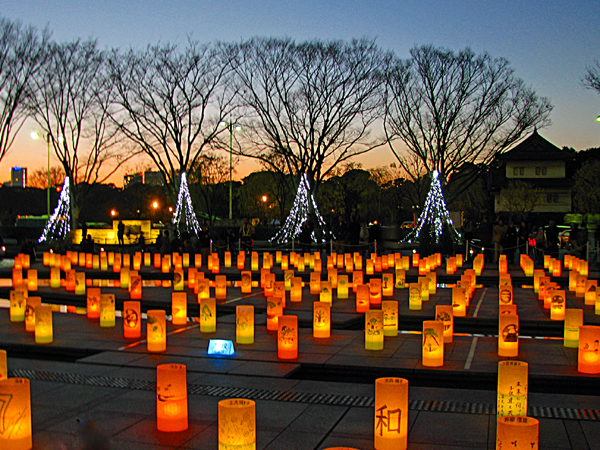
598 119
230 126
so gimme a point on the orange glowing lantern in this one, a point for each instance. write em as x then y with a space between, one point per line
93 303
332 276
517 433
580 285
156 330
369 267
326 293
80 285
171 398
558 304
132 319
415 260
135 287
215 263
274 311
166 264
584 268
54 277
424 281
192 271
415 302
459 302
158 261
342 287
31 305
445 314
220 287
179 308
391 413
246 282
267 260
17 306
177 261
124 277
296 290
178 280
244 324
358 261
433 343
349 262
241 260
17 277
321 319
315 283
208 315
591 292
362 298
513 381
279 291
300 263
508 335
237 424
15 433
387 285
390 317
32 279
400 278
357 279
126 260
269 284
117 263
198 260
287 337
43 324
375 291
3 365
432 282
263 273
254 261
287 278
107 310
374 334
147 259
285 262
508 309
203 286
589 349
505 295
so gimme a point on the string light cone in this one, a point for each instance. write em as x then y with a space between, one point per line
58 224
184 218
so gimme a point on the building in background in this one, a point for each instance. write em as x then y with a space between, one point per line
134 178
18 177
154 178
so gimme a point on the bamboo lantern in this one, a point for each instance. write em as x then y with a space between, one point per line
132 319
158 261
32 279
171 398
414 297
315 283
558 304
332 276
362 298
400 278
285 262
589 349
31 305
192 271
513 381
93 303
269 284
107 310
244 324
591 289
573 320
357 279
390 317
424 281
179 308
326 293
3 365
287 337
237 424
147 259
17 277
517 433
375 291
369 267
342 287
15 433
135 287
156 330
208 315
220 287
279 291
391 414
246 286
505 296
296 290
321 319
508 309
254 261
70 280
508 335
358 261
433 343
387 285
124 277
432 282
374 334
459 302
274 311
17 306
444 314
43 324
203 286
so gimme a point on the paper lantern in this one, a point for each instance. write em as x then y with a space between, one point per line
244 324
215 263
237 424
558 304
15 432
54 277
17 277
31 305
424 281
415 301
362 298
43 324
589 349
387 285
32 279
135 287
254 261
3 365
432 276
269 284
505 295
415 260
300 264
296 290
321 319
391 413
287 278
459 302
208 315
246 282
591 292
156 330
513 382
158 261
375 291
220 287
390 317
117 259
433 343
171 398
279 292
332 276
93 303
285 264
374 329
17 306
203 286
358 262
445 314
274 311
583 268
508 309
147 259
132 319
326 292
342 287
369 269
107 310
80 286
287 337
517 433
597 305
451 266
508 335
179 308
315 283
357 279
580 286
400 278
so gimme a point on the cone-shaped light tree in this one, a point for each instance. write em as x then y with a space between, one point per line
184 218
58 224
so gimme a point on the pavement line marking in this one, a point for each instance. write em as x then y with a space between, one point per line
143 341
471 353
480 302
242 298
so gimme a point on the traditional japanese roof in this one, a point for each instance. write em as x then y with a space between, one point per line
535 148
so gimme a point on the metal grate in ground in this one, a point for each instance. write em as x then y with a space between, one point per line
300 397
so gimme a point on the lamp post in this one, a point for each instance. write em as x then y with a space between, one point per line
230 126
36 135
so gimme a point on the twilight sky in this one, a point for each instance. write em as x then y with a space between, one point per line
548 43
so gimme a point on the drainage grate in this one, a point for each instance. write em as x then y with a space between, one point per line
300 397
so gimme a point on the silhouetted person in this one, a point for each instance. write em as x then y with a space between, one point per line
552 239
121 233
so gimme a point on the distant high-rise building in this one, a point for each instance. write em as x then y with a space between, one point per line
134 178
154 178
18 177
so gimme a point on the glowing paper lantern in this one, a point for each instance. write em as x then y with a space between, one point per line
107 310
17 306
171 398
433 343
156 330
589 349
31 305
444 313
43 324
147 259
391 414
321 319
93 303
254 261
505 296
591 292
296 290
274 311
342 287
508 335
459 302
198 260
135 287
424 281
17 277
332 276
387 285
517 433
415 301
54 277
132 319
400 278
287 337
315 283
237 424
375 291
178 280
80 286
508 309
558 304
513 381
362 298
179 308
269 284
285 262
32 279
220 287
432 276
215 263
246 282
451 266
390 317
244 324
208 315
157 261
15 432
369 267
3 365
203 286
357 279
279 291
326 292
374 329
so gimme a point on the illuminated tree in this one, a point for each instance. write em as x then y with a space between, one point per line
59 223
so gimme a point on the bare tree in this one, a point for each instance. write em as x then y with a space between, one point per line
309 106
72 95
22 52
591 80
208 179
455 108
39 177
